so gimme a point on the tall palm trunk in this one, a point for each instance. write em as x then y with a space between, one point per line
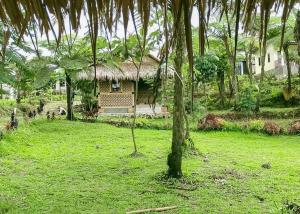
69 97
18 98
1 89
288 66
249 66
261 80
175 157
298 36
233 78
222 88
266 17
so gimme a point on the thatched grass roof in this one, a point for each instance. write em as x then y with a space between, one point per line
125 70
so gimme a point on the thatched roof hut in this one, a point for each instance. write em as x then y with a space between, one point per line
126 70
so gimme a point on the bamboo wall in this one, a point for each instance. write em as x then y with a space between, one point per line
122 98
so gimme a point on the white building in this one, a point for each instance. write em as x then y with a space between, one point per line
274 63
10 92
60 86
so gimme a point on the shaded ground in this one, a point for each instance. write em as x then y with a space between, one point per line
64 167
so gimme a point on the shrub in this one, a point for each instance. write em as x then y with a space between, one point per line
210 122
295 128
272 128
255 125
88 100
247 101
25 108
199 110
231 126
90 115
1 134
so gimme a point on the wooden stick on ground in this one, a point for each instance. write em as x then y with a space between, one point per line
160 209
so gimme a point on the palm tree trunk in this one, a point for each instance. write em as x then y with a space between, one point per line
262 74
69 97
249 66
222 89
263 58
298 36
1 89
175 157
233 79
288 66
18 98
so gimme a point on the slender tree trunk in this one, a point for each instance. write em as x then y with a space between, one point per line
222 89
288 66
261 81
136 85
235 87
69 97
18 98
175 157
230 88
263 57
262 74
298 37
249 66
1 88
233 79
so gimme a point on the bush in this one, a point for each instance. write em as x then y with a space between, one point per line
247 101
231 126
255 125
272 128
89 103
1 134
199 110
25 107
295 128
210 122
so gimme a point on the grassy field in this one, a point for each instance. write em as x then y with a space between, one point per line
75 167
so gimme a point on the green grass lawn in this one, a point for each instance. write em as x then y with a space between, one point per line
75 167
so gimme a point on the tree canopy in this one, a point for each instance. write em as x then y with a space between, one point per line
22 14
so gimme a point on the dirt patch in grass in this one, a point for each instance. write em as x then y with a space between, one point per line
187 183
223 176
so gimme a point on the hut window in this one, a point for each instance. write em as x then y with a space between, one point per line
115 86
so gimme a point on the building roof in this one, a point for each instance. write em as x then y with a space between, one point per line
125 70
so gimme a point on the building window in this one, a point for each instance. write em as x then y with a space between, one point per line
62 83
259 61
115 86
269 58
